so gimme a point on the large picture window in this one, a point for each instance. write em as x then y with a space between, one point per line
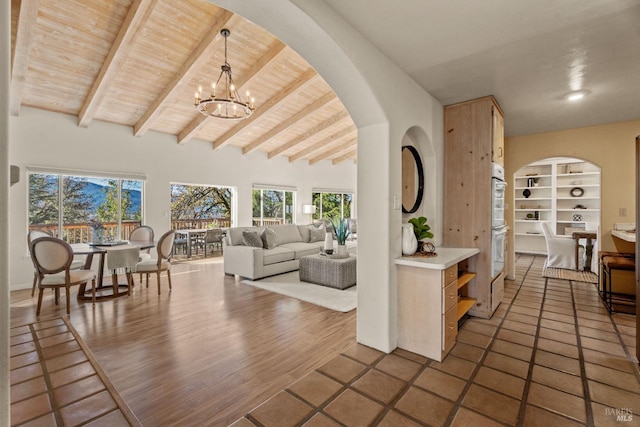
273 206
332 205
200 206
65 205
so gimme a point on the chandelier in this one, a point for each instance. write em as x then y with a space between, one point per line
225 101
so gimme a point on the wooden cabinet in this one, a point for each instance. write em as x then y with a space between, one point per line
497 150
431 301
472 132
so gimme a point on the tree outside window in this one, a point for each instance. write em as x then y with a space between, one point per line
332 205
200 206
114 202
271 207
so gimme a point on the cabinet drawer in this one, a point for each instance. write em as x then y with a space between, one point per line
450 328
449 296
450 274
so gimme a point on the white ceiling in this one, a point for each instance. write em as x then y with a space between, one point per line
528 54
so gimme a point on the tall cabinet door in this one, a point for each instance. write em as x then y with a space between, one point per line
468 143
497 151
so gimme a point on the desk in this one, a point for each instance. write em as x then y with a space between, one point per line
590 236
190 234
90 251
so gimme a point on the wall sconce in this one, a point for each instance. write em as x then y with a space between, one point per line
309 210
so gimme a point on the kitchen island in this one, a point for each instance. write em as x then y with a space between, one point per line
432 299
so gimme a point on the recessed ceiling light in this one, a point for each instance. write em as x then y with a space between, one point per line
574 96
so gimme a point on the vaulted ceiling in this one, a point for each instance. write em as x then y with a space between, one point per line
138 63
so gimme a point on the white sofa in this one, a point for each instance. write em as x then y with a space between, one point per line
293 242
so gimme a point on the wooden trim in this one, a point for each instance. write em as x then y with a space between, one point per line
333 151
138 14
271 57
298 84
24 42
196 60
320 144
309 109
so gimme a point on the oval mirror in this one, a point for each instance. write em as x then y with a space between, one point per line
412 179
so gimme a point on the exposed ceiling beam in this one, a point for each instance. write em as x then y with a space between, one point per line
321 144
136 17
309 109
350 155
339 149
271 57
196 60
24 41
299 83
311 132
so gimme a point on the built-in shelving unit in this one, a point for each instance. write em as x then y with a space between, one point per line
562 191
464 303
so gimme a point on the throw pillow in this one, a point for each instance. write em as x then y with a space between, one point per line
317 234
252 238
269 238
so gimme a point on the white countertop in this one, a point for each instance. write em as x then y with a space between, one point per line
624 235
446 257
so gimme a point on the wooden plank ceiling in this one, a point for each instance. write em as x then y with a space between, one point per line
138 63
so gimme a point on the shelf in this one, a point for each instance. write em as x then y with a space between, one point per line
540 187
532 176
561 175
578 198
533 209
465 278
530 234
464 305
578 210
579 185
534 198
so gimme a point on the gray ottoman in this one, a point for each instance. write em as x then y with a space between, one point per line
339 273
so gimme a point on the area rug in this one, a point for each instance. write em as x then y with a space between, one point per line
289 284
56 380
574 275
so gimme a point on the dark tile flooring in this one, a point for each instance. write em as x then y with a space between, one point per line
550 356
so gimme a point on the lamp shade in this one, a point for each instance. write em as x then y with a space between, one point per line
308 209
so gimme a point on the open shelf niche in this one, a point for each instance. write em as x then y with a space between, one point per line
563 191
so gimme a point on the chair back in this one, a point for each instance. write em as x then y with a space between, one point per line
214 235
165 245
51 255
143 233
546 230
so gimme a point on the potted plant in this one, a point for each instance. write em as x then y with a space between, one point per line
422 230
341 230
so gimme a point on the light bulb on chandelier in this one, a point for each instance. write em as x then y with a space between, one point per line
224 101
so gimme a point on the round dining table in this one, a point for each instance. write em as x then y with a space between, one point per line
102 250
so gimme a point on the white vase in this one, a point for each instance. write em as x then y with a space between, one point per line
409 241
342 250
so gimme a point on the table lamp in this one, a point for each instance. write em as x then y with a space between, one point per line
309 210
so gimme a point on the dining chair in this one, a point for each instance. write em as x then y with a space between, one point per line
213 238
561 250
52 258
31 236
142 233
163 260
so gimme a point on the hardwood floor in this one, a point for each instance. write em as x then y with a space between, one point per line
205 353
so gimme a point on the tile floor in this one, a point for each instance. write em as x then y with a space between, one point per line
56 381
550 356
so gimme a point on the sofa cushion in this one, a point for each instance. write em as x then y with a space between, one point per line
304 231
301 249
287 233
252 238
235 234
275 255
317 234
269 238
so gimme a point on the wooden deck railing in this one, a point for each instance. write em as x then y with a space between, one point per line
81 232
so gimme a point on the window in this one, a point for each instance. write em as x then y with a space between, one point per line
273 206
332 205
73 201
200 206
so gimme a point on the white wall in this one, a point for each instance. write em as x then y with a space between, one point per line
384 103
40 138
